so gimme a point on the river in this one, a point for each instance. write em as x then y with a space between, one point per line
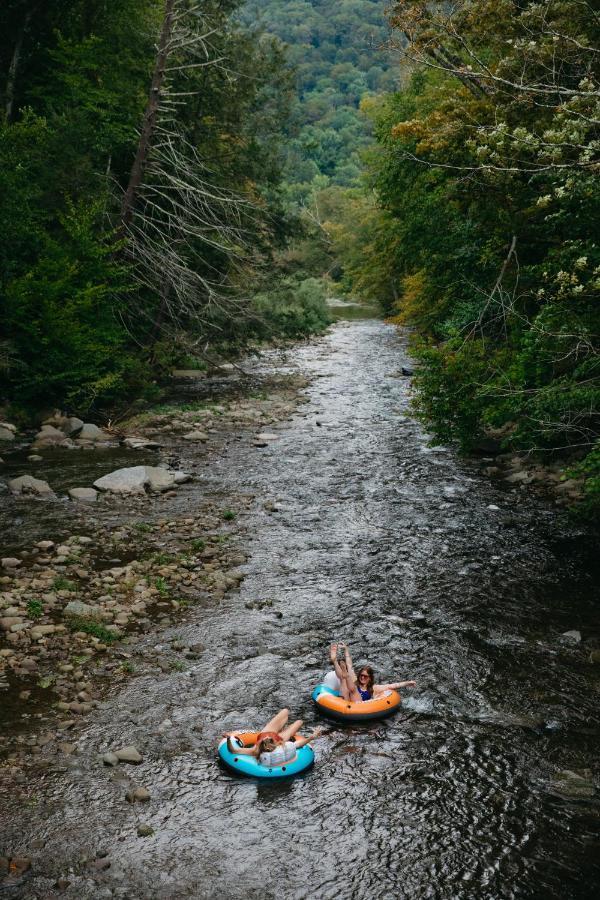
428 570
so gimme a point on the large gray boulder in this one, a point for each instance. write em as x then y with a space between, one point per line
138 479
7 431
27 484
132 480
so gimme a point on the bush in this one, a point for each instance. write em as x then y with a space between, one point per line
294 308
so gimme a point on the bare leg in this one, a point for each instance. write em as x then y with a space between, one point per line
277 722
289 732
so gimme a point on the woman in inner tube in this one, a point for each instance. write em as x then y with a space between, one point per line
356 688
274 746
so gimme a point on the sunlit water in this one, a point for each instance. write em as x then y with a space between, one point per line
390 544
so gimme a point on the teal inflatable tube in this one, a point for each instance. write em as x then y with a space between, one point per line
250 766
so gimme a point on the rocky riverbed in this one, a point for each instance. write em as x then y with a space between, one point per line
74 605
316 509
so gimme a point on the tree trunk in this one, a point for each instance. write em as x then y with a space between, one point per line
11 79
149 123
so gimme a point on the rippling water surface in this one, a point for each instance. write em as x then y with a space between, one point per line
394 546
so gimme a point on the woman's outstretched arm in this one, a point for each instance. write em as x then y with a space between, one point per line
301 741
395 686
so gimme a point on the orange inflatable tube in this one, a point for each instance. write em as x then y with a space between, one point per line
335 706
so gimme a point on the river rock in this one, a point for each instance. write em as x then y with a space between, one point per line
45 545
267 436
28 485
571 637
144 830
140 443
132 480
49 436
195 436
8 622
578 785
136 479
110 759
129 755
81 609
138 795
85 495
93 434
7 431
11 562
72 425
40 631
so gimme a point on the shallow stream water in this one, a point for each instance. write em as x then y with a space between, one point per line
429 571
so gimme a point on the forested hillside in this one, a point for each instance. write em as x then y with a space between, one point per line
336 50
484 233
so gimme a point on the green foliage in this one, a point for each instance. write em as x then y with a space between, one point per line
228 515
293 308
484 235
35 609
61 583
88 626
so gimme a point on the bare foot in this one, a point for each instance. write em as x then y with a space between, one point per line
332 653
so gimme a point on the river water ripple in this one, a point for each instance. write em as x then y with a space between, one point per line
390 544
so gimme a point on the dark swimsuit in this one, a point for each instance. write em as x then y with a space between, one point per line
364 694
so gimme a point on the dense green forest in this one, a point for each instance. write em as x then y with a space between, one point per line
336 49
142 198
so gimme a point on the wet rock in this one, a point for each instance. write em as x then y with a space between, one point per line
7 431
140 443
138 795
72 425
41 631
195 436
595 657
518 478
35 457
267 437
49 436
100 865
93 434
129 755
571 637
11 562
110 759
124 481
136 479
45 545
84 495
28 485
574 784
144 830
67 748
7 622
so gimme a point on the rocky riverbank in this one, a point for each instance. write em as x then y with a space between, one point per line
150 549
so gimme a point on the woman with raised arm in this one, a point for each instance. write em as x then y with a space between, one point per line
356 688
